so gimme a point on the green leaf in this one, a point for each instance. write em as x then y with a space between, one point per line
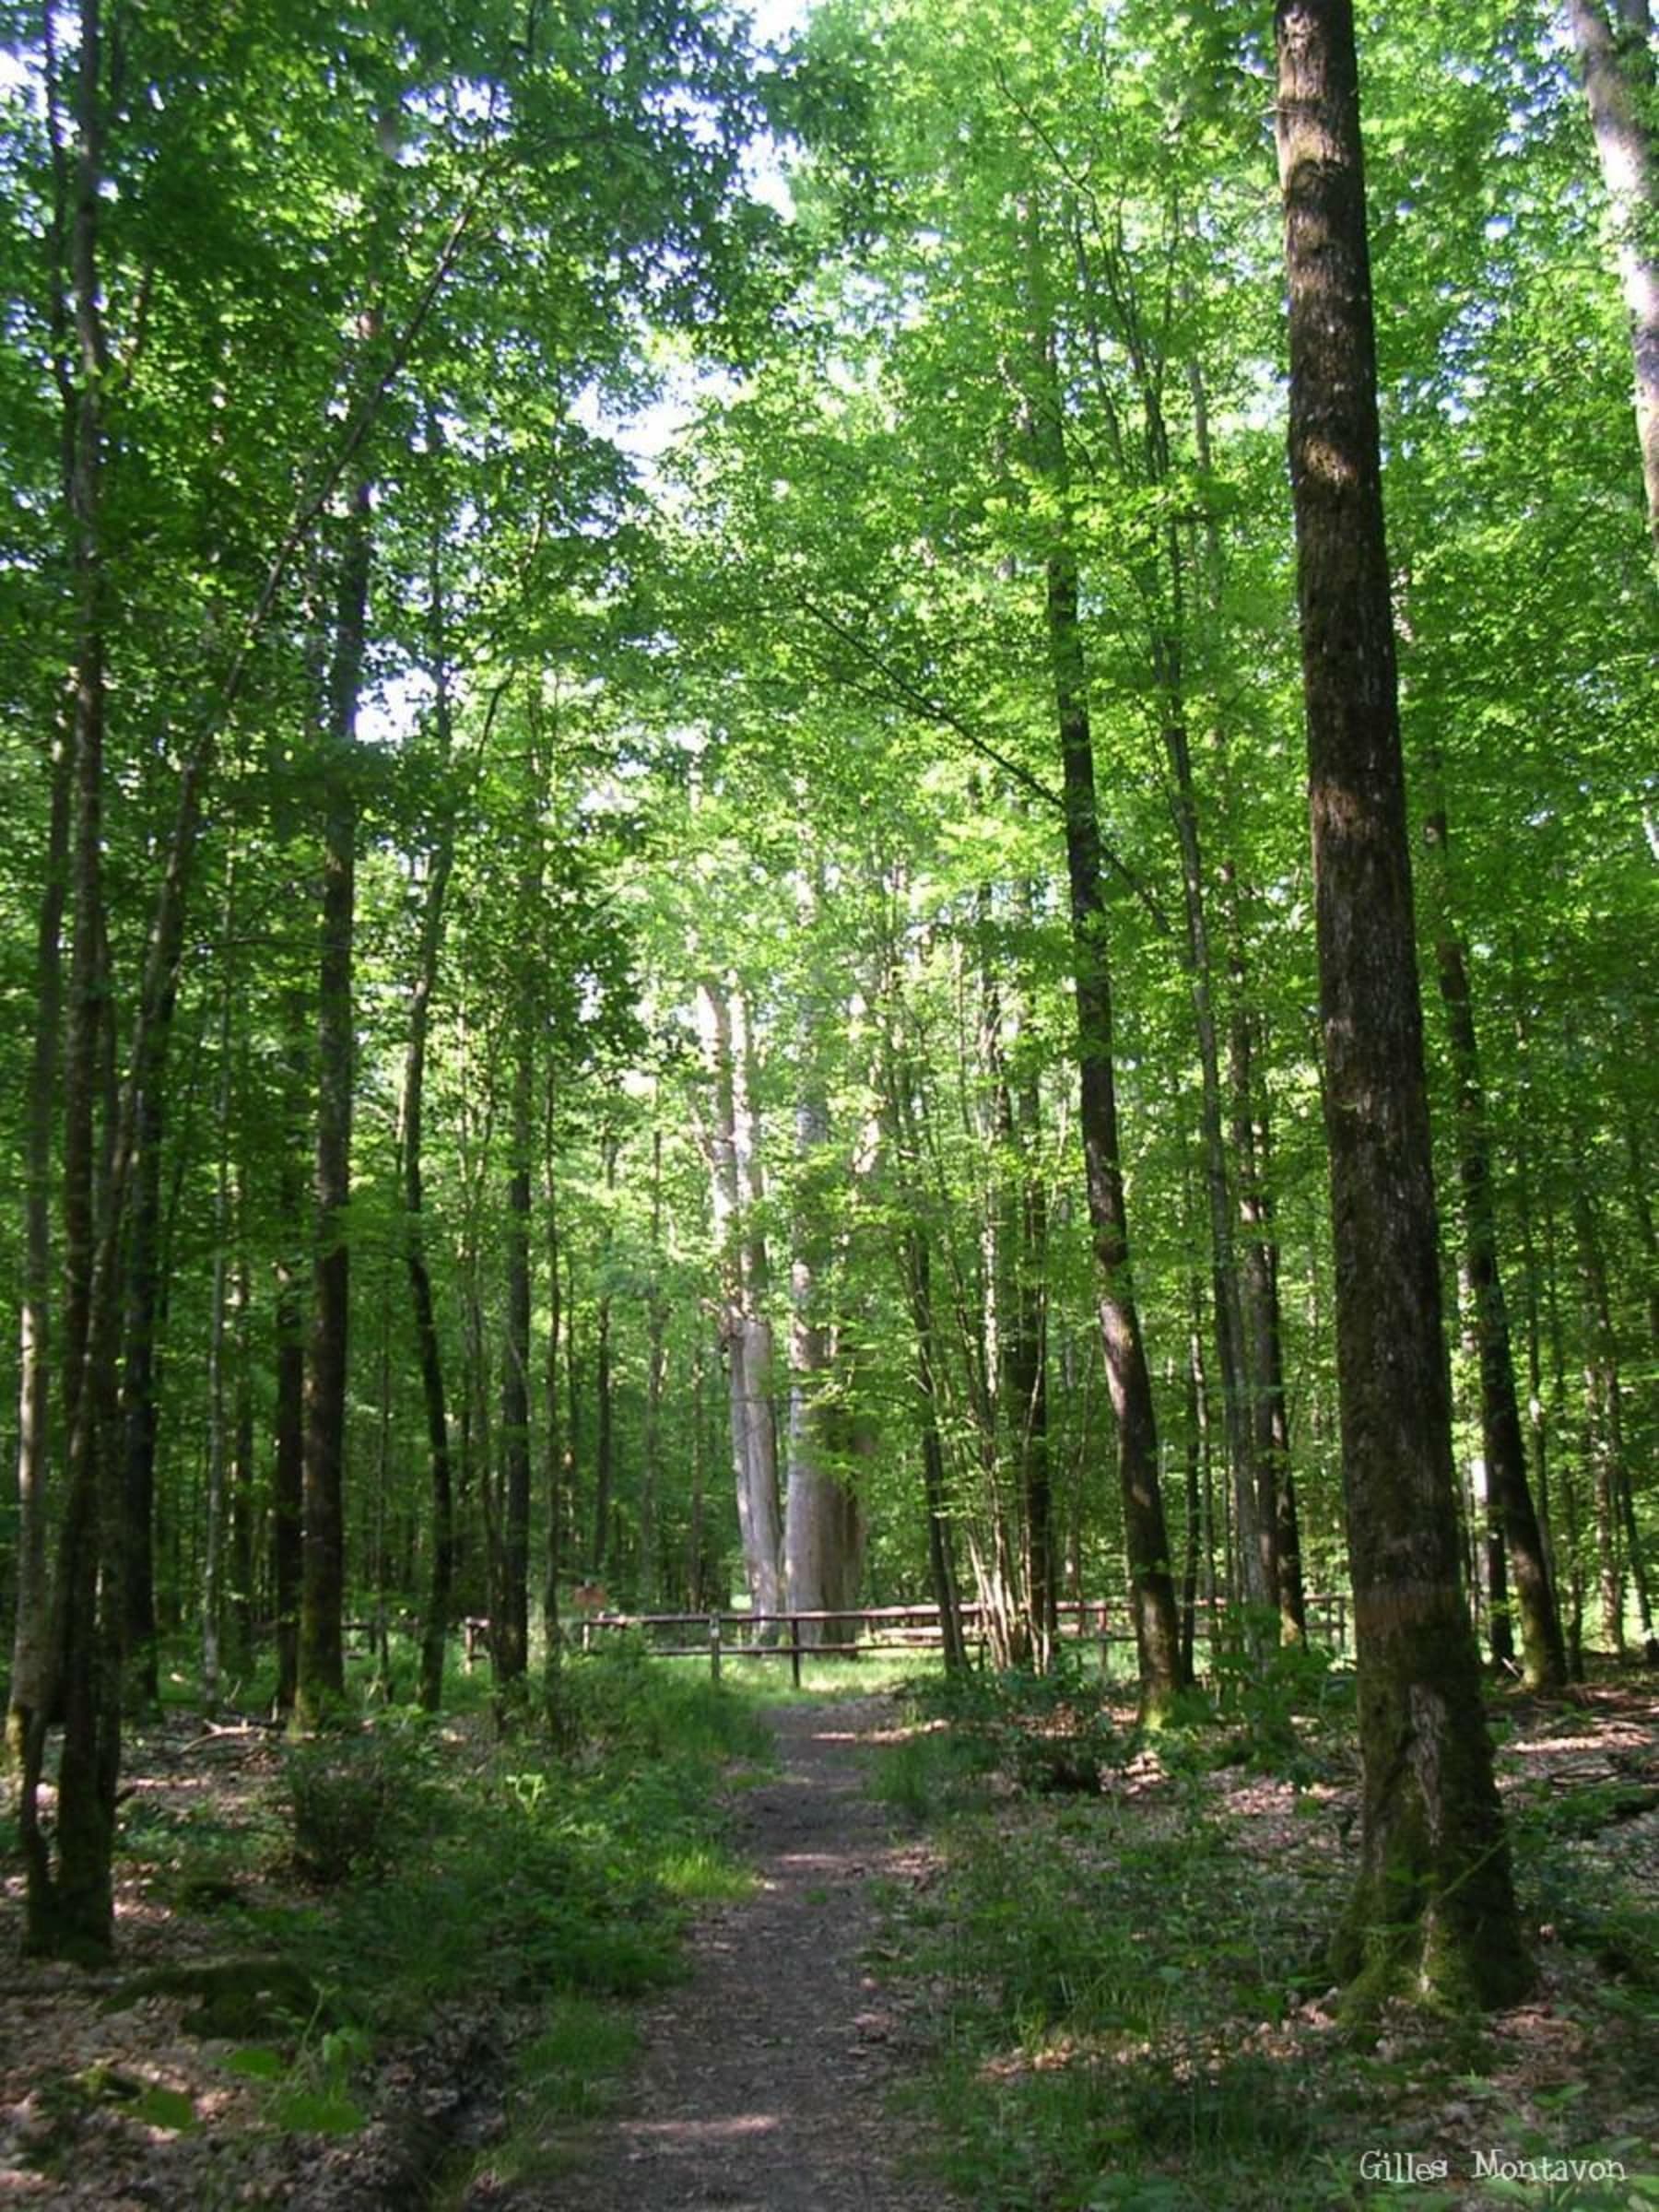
257 2063
318 2113
165 2108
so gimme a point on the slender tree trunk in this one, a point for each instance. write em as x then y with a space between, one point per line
219 1447
411 1119
696 1573
1613 42
1543 1651
287 1471
823 1521
1434 1912
1259 1322
1151 1580
140 1383
428 1348
605 1472
1604 1425
1025 1381
321 1675
941 1553
656 1378
32 1638
555 1471
239 1593
512 1638
1195 1473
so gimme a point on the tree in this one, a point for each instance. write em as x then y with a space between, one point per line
1434 1910
1614 41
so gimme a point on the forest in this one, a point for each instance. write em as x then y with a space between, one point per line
839 812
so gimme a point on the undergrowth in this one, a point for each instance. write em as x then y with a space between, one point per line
404 1871
1126 1991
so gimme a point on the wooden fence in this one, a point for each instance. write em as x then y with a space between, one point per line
720 1636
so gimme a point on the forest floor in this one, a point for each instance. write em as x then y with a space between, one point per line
998 1952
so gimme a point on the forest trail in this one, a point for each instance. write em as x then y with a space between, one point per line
762 2082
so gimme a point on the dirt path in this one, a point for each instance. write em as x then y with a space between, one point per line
762 2080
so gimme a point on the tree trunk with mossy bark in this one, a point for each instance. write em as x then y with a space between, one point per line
1433 1916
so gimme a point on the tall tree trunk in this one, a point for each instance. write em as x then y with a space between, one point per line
1434 1910
916 1268
238 1592
1025 1381
1255 1508
605 1471
32 1651
1616 1508
30 1686
656 1380
218 1417
1259 1321
555 1469
1604 1435
288 1469
428 1348
1146 1539
512 1627
1543 1655
941 1558
1613 42
140 1382
746 1333
823 1521
411 1119
70 1907
321 1676
1197 1477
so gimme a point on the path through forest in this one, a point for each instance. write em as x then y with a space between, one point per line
764 2079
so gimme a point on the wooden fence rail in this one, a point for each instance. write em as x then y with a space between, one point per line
731 1635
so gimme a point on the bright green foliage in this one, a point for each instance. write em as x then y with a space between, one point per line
753 684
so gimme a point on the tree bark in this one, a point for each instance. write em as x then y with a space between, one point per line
554 1470
70 1906
1434 1912
288 1470
428 1348
746 1334
656 1381
321 1664
605 1470
30 1665
1613 42
510 1644
140 1382
1544 1656
1129 1380
823 1523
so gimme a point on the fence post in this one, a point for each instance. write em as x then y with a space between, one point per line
795 1652
714 1647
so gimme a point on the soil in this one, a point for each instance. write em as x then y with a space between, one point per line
763 2081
